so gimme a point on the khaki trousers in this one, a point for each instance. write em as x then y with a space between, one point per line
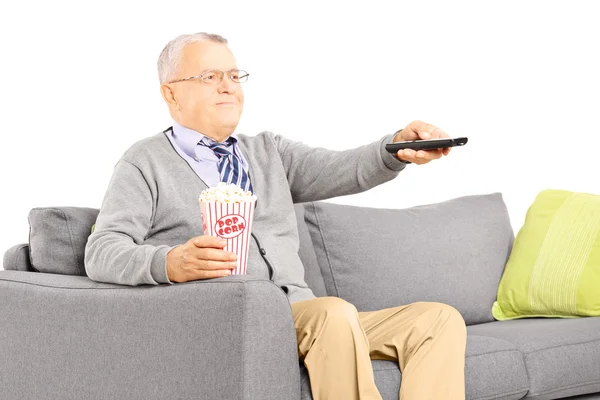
337 344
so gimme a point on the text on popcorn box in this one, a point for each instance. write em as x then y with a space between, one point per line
230 226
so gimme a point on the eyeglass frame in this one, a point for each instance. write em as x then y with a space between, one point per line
228 73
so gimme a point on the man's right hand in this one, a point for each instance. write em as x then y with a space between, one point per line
201 257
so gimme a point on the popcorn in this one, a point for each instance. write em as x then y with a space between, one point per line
226 193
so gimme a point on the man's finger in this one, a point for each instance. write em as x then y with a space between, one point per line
435 133
208 274
209 241
419 157
429 154
423 130
410 155
409 133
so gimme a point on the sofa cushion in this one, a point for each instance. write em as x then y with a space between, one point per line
494 369
562 356
57 238
451 252
312 272
554 266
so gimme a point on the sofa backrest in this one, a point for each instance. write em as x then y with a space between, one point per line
452 252
312 268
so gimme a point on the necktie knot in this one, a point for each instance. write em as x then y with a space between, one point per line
214 145
229 165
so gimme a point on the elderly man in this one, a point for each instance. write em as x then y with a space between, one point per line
149 229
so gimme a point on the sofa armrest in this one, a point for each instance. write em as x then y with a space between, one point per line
68 337
17 258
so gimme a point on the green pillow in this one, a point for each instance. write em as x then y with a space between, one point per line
93 227
554 266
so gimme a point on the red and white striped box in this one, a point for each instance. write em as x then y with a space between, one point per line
233 222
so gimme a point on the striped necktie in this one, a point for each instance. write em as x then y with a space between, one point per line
230 167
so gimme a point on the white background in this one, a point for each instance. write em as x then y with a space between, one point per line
520 79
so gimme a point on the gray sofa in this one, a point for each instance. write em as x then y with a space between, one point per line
64 336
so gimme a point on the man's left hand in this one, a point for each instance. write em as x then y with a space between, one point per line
418 130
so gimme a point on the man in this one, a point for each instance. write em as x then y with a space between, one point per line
149 229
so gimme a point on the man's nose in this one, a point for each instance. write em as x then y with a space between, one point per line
227 84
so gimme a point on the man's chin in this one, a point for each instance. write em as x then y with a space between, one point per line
229 124
229 121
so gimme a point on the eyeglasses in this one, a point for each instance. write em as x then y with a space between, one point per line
214 77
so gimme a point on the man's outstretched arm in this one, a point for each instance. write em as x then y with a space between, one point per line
316 173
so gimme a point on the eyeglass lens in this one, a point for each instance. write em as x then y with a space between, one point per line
217 76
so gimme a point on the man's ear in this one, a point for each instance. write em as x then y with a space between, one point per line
169 96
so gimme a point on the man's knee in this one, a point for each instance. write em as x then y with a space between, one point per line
334 307
453 317
446 313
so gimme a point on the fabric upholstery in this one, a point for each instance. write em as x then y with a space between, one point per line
57 238
121 341
72 338
494 369
17 258
312 271
452 252
593 396
562 356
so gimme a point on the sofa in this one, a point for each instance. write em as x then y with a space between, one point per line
64 336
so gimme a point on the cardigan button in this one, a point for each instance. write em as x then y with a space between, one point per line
263 251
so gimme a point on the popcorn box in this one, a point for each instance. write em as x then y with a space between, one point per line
233 222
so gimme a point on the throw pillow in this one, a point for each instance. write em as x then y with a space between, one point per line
57 238
554 266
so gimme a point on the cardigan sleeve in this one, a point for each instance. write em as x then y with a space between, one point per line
115 252
316 173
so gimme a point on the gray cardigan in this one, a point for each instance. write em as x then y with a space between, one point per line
151 205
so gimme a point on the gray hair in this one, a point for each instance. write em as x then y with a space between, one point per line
169 58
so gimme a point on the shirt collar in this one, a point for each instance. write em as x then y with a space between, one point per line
187 139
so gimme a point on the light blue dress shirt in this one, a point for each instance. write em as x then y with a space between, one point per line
201 158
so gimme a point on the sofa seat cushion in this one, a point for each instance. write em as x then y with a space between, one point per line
451 252
494 369
562 356
387 379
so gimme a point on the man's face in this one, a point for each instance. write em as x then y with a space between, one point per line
195 104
